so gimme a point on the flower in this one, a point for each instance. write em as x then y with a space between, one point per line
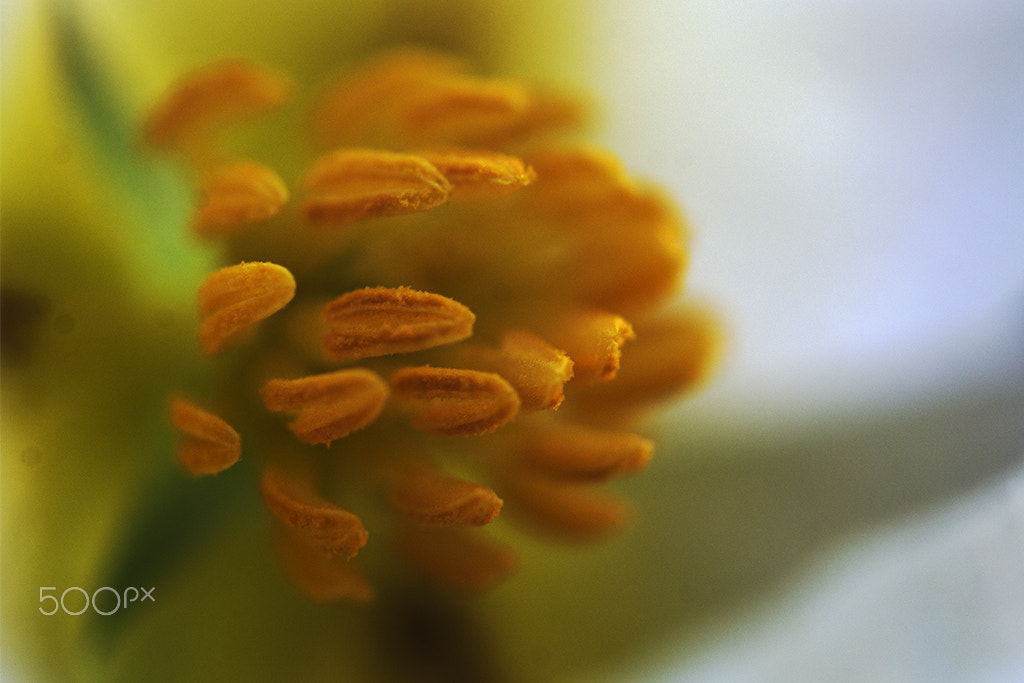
105 330
464 288
847 168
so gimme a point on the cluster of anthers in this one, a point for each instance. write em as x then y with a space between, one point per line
483 280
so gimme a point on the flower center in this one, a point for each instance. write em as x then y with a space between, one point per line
456 267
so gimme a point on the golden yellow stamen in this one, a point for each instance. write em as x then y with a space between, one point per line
536 369
478 175
322 578
547 112
583 454
357 107
673 353
627 272
357 184
324 526
457 557
209 444
235 298
433 498
450 402
593 339
461 110
421 96
208 99
237 194
553 245
378 321
579 178
569 510
328 406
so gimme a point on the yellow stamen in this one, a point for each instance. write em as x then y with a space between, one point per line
460 110
324 526
209 444
536 369
432 498
323 579
355 108
583 454
378 321
413 96
569 510
674 353
478 175
234 299
328 406
579 178
593 339
357 184
547 112
206 100
449 402
457 557
553 245
627 272
237 194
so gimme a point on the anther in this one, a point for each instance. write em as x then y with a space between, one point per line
324 526
451 402
570 510
234 299
433 498
357 184
584 454
548 111
594 340
205 100
536 369
322 578
627 272
481 175
457 557
238 194
579 179
328 406
357 107
460 110
209 444
379 321
674 352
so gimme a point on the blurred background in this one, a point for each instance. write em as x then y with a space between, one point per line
854 172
